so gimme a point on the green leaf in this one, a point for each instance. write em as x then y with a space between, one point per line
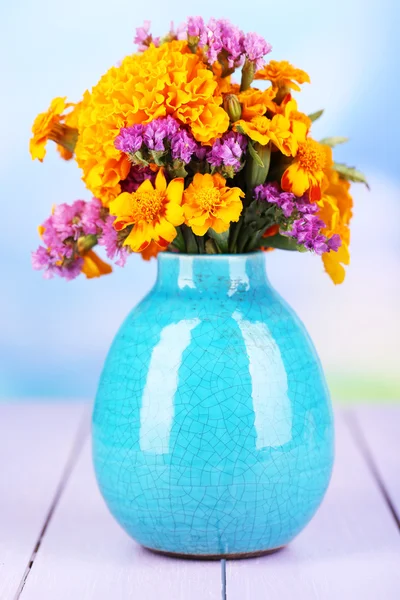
282 242
240 130
255 156
350 173
334 141
316 115
220 239
257 166
179 241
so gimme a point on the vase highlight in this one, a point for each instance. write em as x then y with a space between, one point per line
212 428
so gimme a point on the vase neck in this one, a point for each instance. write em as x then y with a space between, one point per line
228 273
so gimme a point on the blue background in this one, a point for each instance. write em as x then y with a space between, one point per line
54 335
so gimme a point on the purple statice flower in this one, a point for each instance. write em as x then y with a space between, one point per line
271 192
228 150
129 139
177 34
183 146
64 232
50 261
109 239
66 219
135 177
91 219
255 48
143 37
155 133
306 230
201 152
221 36
160 135
171 126
195 27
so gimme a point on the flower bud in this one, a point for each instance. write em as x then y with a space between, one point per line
86 243
233 107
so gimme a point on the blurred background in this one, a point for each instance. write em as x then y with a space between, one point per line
54 334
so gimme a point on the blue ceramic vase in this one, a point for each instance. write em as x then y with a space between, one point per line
212 427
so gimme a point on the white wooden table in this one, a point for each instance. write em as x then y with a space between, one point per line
58 541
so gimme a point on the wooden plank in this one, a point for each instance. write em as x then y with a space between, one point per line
380 438
36 441
350 550
84 554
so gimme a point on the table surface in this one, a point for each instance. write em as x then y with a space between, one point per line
58 541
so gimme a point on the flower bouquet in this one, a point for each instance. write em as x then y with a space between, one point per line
180 157
212 427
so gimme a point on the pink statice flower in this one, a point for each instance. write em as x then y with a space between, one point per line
69 232
255 48
143 37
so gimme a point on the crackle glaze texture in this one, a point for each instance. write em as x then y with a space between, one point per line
212 428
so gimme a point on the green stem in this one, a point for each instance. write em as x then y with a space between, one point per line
235 229
242 241
247 75
190 240
200 243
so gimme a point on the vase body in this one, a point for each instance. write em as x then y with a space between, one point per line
212 427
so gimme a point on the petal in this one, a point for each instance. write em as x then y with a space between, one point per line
231 212
146 186
333 267
220 225
161 182
175 190
174 214
121 206
93 266
164 233
295 180
201 229
140 237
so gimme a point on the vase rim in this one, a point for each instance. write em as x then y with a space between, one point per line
184 256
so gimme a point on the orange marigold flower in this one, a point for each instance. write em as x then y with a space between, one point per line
300 122
283 74
336 211
94 266
160 81
307 172
154 212
256 102
209 203
53 125
276 130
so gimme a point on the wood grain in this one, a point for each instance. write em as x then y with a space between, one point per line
36 441
85 555
380 438
350 550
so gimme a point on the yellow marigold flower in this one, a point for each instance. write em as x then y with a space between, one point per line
208 203
52 125
93 266
154 212
336 211
160 81
283 74
276 130
256 102
307 172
